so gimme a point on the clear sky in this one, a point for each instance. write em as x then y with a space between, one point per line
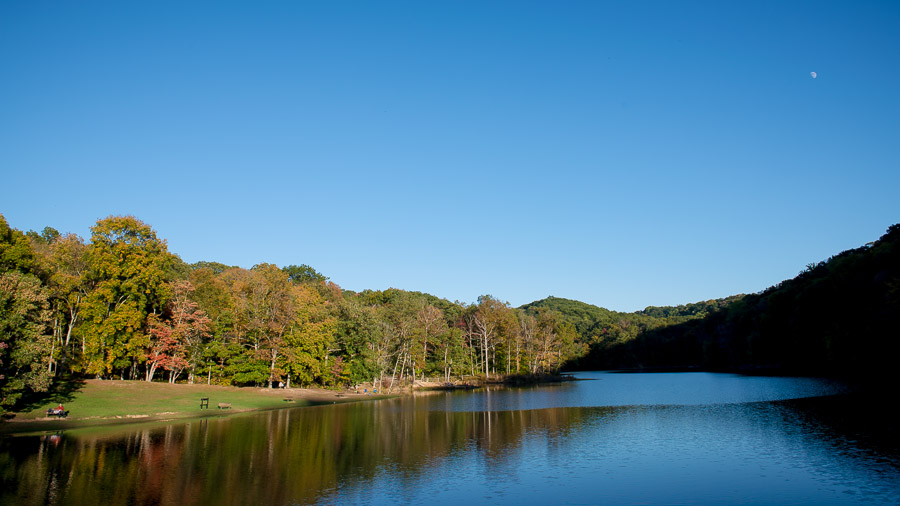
624 154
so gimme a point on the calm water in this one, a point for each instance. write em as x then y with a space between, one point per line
680 438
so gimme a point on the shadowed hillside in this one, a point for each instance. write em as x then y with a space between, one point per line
838 317
601 329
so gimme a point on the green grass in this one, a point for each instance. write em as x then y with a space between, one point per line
104 402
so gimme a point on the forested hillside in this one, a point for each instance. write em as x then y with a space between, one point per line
599 329
838 317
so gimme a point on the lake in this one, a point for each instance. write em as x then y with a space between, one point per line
663 438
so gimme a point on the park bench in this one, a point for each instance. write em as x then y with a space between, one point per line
288 399
224 405
204 402
57 413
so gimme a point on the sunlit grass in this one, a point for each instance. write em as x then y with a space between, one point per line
133 399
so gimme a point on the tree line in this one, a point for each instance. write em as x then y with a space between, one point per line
121 306
604 333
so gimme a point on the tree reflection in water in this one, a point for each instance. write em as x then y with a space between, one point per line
277 457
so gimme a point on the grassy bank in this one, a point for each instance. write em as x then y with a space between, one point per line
117 402
96 402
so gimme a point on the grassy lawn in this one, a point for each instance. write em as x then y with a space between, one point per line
113 400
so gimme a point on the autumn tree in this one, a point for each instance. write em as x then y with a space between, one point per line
309 340
16 252
554 342
431 323
178 340
356 334
69 284
492 322
526 343
25 337
263 306
128 267
166 350
212 295
450 351
398 322
25 319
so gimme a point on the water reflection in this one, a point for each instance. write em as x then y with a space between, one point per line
426 450
272 458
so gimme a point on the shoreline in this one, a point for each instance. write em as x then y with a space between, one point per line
45 425
112 403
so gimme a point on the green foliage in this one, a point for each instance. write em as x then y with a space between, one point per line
304 274
214 267
24 337
16 253
601 332
246 368
581 314
309 337
128 266
694 310
47 236
356 334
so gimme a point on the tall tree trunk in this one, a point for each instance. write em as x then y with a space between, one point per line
484 352
396 363
446 365
272 367
518 348
425 357
73 319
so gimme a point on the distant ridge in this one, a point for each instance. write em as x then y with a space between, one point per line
599 328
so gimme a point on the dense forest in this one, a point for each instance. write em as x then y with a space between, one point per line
839 317
599 329
121 306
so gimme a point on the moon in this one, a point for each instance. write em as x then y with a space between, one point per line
813 74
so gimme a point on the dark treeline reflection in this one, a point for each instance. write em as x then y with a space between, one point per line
278 457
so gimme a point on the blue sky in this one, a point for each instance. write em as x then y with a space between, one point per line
624 154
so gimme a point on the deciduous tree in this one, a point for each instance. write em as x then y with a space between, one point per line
128 266
25 337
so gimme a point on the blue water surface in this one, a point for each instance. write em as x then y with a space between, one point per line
618 439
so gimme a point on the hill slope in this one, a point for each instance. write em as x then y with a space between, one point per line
838 317
600 328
